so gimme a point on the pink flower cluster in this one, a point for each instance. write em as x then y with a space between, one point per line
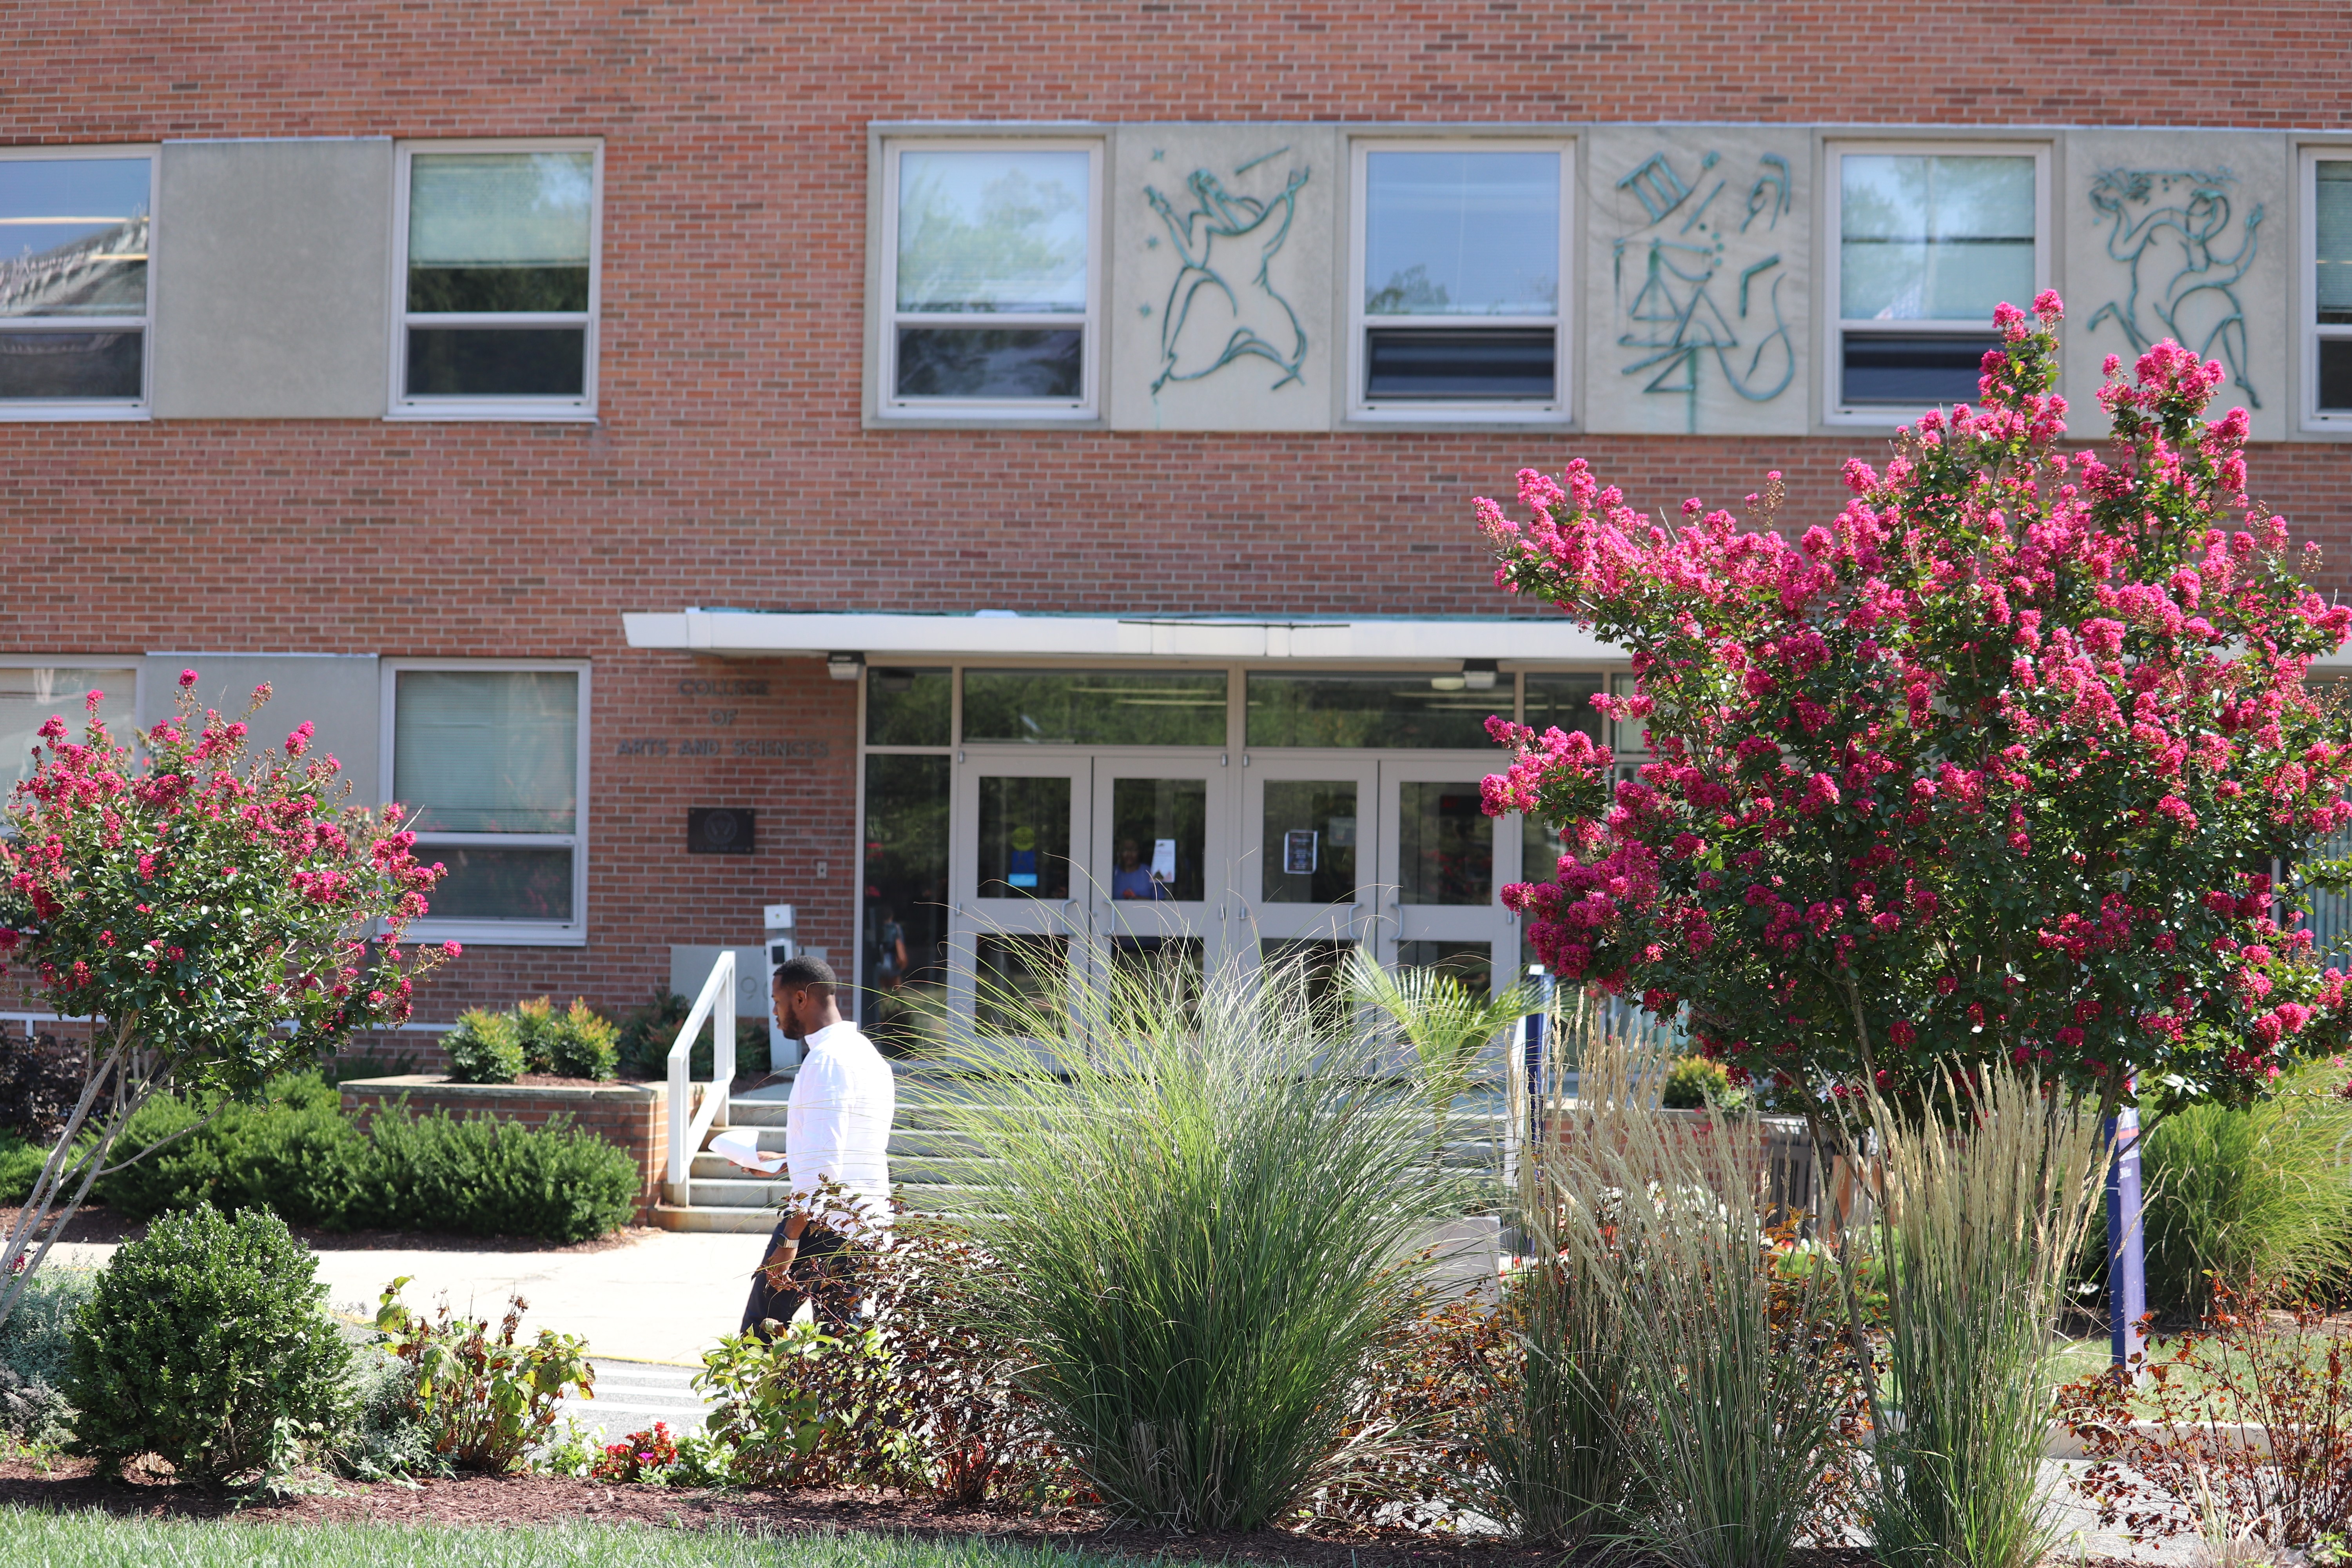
1971 768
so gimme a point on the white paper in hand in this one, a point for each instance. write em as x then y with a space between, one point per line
741 1146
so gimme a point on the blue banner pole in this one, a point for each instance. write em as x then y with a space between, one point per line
1539 1042
2127 1243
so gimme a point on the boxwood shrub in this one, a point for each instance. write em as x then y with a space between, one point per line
301 1156
206 1344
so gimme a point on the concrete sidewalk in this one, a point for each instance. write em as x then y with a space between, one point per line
662 1297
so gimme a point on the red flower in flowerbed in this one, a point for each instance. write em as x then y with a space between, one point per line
637 1455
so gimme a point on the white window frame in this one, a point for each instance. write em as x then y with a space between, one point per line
401 406
1834 409
1455 411
888 318
499 934
21 409
2315 418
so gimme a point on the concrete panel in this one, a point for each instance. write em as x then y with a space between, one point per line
1224 259
270 271
2180 235
340 695
1698 255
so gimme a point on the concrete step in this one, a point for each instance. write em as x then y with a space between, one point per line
707 1217
912 1169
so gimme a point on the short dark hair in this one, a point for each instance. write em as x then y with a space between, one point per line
805 973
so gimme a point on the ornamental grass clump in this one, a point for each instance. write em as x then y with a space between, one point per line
1204 1211
1986 1188
1721 1350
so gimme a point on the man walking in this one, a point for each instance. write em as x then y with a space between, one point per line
836 1130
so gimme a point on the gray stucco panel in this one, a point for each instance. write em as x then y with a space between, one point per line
272 261
340 694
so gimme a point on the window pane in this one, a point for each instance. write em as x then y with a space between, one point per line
1446 845
908 706
1913 369
992 230
71 364
1565 703
1019 982
497 362
2336 373
1094 708
1540 848
1025 838
29 698
1933 239
1158 830
73 236
486 751
1461 234
905 932
485 884
1322 965
1471 962
1345 709
1308 850
1440 363
991 362
2333 221
499 231
1158 973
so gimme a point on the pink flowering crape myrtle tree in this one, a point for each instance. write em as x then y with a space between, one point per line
210 912
1998 762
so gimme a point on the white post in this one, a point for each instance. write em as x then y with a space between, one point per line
716 1003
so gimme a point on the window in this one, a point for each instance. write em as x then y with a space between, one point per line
989 276
75 229
1387 708
491 763
498 248
2328 367
31 694
1457 281
1928 244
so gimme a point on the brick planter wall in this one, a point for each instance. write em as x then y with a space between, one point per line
631 1116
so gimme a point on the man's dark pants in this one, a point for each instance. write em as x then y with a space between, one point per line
822 1272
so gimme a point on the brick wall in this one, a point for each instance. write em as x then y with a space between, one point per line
730 466
633 1117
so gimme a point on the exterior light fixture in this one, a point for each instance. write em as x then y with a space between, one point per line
844 665
1479 674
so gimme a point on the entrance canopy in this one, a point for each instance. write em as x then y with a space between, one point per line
1002 633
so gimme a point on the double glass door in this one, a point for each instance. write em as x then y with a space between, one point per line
1066 865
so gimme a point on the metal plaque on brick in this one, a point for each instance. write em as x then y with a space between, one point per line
721 830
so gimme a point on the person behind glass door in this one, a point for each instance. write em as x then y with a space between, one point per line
837 1130
1133 878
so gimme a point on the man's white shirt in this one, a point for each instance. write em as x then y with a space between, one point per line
838 1124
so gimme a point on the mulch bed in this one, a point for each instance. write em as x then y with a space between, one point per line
93 1222
523 1500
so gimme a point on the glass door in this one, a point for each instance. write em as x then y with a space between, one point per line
1302 886
1020 883
1441 872
1162 859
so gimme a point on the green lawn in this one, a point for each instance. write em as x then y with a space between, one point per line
32 1538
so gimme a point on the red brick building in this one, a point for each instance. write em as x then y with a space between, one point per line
1104 386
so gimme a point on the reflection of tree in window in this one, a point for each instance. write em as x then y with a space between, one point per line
904 932
1021 246
1446 845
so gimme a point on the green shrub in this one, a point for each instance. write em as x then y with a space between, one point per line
294 1153
647 1033
481 1177
301 1156
20 1165
486 1048
583 1043
33 1345
1693 1083
205 1344
483 1400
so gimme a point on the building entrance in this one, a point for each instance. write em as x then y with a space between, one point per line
1065 867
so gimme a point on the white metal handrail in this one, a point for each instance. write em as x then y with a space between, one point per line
716 1003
